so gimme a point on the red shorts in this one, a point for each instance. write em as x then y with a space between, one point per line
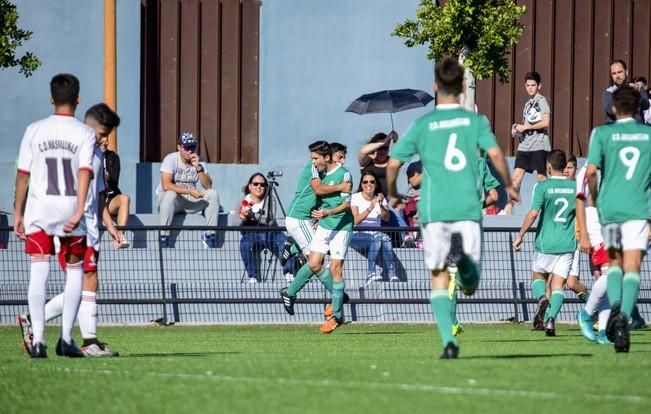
42 243
91 257
599 256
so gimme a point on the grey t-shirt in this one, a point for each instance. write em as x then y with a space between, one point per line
183 175
535 139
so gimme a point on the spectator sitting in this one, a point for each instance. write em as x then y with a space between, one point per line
368 207
252 213
116 203
414 172
179 173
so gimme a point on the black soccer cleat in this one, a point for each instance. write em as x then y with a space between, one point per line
451 351
615 310
346 297
70 350
620 328
288 301
539 318
286 253
550 327
39 350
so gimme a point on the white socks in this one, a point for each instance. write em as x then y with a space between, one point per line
597 293
39 270
54 307
71 299
88 315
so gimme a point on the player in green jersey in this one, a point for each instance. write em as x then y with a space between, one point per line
622 151
448 141
332 234
553 205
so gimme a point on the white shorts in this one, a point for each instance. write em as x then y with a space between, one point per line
436 241
574 269
302 231
556 264
335 241
629 235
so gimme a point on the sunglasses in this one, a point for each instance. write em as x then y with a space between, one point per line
258 184
368 182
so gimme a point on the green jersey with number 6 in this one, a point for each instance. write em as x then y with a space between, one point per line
447 141
304 198
554 200
622 151
343 220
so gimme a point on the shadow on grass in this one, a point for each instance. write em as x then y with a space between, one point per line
526 356
178 354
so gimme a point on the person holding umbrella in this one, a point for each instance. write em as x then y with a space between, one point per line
448 141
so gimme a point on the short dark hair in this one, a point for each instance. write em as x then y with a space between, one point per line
64 89
338 147
557 159
640 79
534 76
626 100
104 115
321 148
572 159
379 137
621 62
449 76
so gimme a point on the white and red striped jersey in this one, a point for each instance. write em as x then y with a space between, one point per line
52 152
96 188
591 214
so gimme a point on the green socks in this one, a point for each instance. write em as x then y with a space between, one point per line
441 309
326 279
468 275
555 303
338 299
538 288
614 285
300 280
630 290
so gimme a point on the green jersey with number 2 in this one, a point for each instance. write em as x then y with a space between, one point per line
554 200
622 151
447 141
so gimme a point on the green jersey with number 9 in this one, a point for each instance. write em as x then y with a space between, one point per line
554 200
622 151
447 141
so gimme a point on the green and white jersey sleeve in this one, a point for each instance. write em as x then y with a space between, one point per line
343 220
304 199
447 141
554 201
622 151
486 179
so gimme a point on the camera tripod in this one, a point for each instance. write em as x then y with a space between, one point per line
272 199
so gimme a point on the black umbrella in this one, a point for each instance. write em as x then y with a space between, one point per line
389 101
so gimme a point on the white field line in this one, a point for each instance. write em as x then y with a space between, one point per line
419 388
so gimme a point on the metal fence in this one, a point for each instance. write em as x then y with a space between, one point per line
187 283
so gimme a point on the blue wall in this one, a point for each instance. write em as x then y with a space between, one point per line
68 37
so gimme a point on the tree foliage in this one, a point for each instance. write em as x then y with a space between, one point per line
481 32
11 38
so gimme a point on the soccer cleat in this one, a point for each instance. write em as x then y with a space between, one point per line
451 351
286 254
165 242
550 327
209 241
457 329
372 277
585 324
98 350
622 339
583 296
636 322
70 350
39 350
601 338
58 348
288 301
330 325
25 326
538 319
394 278
610 325
329 310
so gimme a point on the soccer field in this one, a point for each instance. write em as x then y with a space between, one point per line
360 368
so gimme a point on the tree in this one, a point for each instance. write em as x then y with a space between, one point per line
480 33
11 38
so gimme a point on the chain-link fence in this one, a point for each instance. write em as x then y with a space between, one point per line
191 284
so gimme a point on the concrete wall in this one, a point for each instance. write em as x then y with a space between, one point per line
68 37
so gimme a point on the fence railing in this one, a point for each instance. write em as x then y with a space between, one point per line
188 283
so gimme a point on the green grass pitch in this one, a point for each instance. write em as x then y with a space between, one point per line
360 368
